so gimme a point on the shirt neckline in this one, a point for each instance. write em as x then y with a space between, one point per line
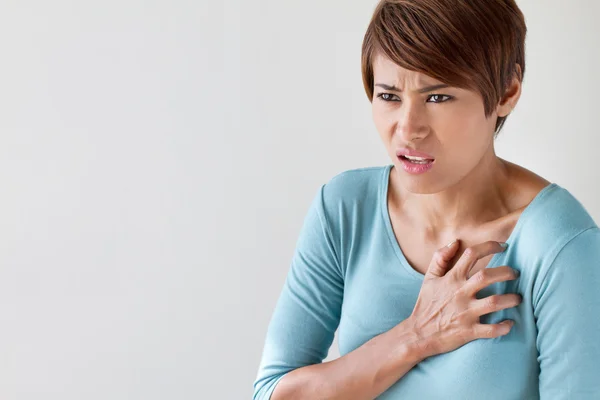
396 246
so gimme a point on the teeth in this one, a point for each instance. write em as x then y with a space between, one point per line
416 158
419 162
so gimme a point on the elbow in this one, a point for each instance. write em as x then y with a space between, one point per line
264 386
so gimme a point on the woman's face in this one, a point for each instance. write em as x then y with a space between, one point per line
447 123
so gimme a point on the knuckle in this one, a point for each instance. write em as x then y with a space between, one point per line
467 334
437 257
484 331
492 331
508 273
492 302
437 264
469 253
480 277
463 297
461 293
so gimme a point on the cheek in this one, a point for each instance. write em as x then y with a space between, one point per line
461 126
382 121
465 144
472 115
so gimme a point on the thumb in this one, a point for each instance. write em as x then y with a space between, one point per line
440 263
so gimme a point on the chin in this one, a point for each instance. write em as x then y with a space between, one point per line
417 185
421 184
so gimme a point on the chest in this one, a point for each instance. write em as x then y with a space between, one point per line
418 248
380 293
376 300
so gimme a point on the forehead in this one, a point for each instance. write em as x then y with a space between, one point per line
386 71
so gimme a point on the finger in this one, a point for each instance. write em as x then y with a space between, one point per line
496 303
474 253
488 276
441 258
489 331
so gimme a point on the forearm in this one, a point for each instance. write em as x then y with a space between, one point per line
362 374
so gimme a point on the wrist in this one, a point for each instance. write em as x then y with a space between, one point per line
416 346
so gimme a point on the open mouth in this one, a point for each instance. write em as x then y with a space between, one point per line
417 160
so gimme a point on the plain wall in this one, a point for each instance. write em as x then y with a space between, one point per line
157 160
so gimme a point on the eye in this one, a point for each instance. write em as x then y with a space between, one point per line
437 98
386 96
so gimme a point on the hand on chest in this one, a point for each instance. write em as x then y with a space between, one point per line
418 248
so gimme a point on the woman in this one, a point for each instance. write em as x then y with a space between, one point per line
508 310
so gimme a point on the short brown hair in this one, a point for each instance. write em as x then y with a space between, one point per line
472 44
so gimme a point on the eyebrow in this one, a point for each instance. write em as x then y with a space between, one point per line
422 90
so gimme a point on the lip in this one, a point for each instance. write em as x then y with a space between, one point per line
413 153
414 168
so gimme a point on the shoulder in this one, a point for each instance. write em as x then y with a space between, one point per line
354 186
557 236
559 213
348 204
346 195
555 218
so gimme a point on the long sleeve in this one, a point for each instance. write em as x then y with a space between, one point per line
307 312
567 313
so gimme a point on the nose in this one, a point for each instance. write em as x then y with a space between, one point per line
412 123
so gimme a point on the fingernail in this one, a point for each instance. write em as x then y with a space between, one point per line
451 243
517 273
504 245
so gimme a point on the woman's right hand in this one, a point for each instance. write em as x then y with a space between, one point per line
446 314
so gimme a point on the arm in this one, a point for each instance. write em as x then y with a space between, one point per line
567 311
303 324
364 373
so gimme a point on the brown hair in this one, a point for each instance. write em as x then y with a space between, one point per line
471 44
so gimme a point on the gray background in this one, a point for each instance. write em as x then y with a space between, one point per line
157 160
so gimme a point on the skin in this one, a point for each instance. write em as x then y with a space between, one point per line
470 193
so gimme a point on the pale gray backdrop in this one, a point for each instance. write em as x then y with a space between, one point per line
157 159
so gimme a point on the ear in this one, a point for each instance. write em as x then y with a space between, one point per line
512 94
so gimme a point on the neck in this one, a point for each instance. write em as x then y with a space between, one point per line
479 197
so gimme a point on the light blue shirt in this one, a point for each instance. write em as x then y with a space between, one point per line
348 273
